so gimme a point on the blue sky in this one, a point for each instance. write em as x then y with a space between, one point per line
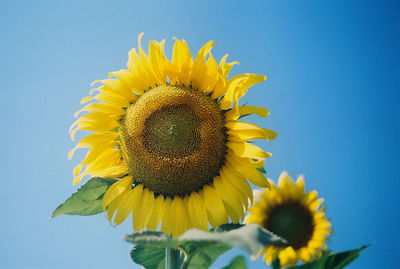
332 89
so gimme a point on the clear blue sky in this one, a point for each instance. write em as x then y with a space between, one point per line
332 89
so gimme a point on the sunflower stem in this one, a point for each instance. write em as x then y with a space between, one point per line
172 258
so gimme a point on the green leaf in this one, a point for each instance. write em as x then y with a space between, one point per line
87 200
150 258
239 262
202 248
332 260
202 255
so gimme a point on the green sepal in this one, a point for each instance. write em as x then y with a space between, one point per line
200 248
261 169
276 264
332 260
87 199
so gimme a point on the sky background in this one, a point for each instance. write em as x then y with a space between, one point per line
332 89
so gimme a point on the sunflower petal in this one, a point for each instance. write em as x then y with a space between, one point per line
167 222
215 208
157 214
197 211
247 150
128 204
237 87
143 211
115 190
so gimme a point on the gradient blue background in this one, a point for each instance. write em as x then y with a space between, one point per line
332 89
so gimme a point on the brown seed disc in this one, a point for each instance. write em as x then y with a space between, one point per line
174 140
291 221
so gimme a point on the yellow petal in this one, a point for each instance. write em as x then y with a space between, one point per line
197 211
226 67
167 221
245 149
233 206
99 107
244 135
232 114
157 214
288 256
241 186
300 186
183 62
201 73
309 197
128 204
304 255
143 211
113 206
271 254
158 61
113 171
115 190
96 139
179 216
247 110
237 87
86 99
254 176
215 208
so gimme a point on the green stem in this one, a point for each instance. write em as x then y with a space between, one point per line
172 258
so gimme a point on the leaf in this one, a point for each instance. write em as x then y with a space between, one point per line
250 237
239 262
150 258
332 260
87 200
202 248
202 255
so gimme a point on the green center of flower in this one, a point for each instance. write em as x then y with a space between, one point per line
292 222
173 140
173 131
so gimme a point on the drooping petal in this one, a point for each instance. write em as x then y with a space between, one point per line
229 197
157 213
215 208
237 87
197 211
244 149
167 221
116 189
143 211
247 110
179 215
128 204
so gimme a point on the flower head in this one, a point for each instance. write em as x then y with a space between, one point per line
295 215
170 131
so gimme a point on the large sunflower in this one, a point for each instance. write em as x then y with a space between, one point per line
170 131
294 215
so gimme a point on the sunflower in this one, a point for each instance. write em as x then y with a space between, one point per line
169 131
294 215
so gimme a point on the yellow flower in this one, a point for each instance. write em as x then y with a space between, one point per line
170 131
294 215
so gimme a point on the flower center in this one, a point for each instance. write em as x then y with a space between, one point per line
173 140
292 222
173 131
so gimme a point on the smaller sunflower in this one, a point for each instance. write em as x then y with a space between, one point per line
295 215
